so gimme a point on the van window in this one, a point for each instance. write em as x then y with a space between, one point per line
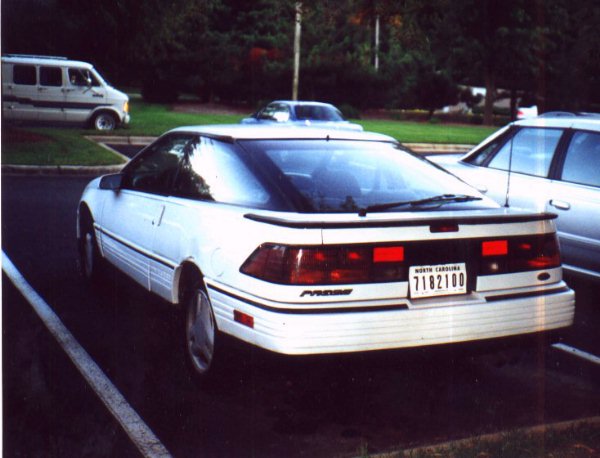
50 76
24 74
82 77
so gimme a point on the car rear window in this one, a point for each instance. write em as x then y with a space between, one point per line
345 176
317 113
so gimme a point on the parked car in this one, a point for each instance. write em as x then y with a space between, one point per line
301 113
311 241
554 162
55 89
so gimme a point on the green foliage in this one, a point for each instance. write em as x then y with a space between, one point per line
51 146
234 50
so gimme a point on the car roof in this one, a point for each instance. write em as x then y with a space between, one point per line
585 122
43 60
233 132
302 102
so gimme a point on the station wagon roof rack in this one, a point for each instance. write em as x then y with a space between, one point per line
35 56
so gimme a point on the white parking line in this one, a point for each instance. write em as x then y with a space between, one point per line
141 435
578 353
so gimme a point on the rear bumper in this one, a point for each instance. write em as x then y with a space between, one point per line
303 332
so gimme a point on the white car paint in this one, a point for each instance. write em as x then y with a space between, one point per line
153 237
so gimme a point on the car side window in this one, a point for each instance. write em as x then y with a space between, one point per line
212 170
483 155
155 169
25 75
529 151
275 111
51 76
582 161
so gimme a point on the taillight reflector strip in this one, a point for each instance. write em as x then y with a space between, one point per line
243 318
494 248
388 254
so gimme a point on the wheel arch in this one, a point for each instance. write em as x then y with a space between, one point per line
107 110
84 214
186 273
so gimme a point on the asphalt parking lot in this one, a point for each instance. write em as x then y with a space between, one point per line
269 406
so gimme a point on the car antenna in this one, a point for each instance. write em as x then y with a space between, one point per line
510 154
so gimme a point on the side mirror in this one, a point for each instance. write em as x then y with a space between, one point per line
111 182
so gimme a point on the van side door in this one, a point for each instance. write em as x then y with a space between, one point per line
19 91
51 97
84 94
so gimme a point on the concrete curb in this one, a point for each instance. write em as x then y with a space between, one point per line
121 139
438 148
492 438
65 170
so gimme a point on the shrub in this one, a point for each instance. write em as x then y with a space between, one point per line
159 90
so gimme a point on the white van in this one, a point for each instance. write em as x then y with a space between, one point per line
55 89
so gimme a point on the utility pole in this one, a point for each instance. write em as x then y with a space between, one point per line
377 43
297 31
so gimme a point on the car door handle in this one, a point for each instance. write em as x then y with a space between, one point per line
560 204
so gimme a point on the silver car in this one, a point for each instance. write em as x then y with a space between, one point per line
554 164
301 113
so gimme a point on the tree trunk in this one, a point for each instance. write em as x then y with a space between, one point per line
297 32
490 98
513 104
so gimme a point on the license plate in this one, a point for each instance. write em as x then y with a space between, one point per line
438 280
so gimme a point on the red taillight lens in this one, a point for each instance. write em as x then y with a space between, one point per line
494 248
326 265
388 254
519 254
535 254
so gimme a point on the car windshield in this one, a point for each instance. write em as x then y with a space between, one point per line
317 113
359 176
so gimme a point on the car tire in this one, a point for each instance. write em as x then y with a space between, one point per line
91 265
104 121
200 333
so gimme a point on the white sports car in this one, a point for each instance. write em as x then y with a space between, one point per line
306 241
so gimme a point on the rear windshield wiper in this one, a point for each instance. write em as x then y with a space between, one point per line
440 200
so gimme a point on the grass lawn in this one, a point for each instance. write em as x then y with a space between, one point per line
45 146
424 132
67 146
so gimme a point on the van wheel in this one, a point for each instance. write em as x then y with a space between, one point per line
200 332
104 121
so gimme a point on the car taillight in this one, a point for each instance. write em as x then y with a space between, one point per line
519 254
330 265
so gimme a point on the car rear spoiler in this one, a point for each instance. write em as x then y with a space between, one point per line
361 223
